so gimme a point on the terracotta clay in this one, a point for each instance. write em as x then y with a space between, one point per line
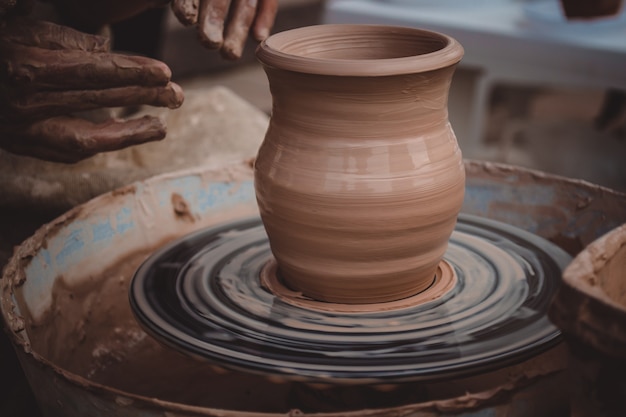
591 303
590 309
53 72
360 178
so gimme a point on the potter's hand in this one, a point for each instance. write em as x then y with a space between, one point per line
49 72
225 24
222 24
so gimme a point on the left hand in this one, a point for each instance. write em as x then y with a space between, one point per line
50 72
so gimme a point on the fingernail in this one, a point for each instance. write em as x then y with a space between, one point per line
144 129
159 127
262 33
232 50
160 73
210 36
177 96
165 70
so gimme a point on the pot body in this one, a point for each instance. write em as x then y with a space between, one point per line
360 178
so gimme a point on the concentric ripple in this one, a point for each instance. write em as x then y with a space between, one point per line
202 295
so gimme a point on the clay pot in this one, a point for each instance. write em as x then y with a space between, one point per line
585 9
590 309
360 178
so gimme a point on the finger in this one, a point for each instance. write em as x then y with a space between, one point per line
87 138
36 151
238 28
72 70
33 140
119 134
211 17
56 103
186 11
48 35
67 139
265 17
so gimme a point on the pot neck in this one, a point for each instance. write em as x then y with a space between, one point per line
362 106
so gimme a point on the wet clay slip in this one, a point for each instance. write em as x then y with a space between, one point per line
202 295
360 178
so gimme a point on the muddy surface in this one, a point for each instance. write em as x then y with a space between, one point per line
90 331
102 342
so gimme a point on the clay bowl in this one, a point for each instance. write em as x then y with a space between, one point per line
590 309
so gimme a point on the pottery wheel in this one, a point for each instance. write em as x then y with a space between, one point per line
203 295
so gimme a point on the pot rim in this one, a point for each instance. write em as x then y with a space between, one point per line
271 52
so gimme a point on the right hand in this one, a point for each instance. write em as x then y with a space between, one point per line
225 24
50 72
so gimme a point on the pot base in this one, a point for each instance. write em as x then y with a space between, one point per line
212 295
445 280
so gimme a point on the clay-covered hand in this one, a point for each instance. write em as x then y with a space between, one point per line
222 24
225 24
48 73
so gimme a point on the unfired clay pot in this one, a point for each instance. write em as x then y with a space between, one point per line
360 178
